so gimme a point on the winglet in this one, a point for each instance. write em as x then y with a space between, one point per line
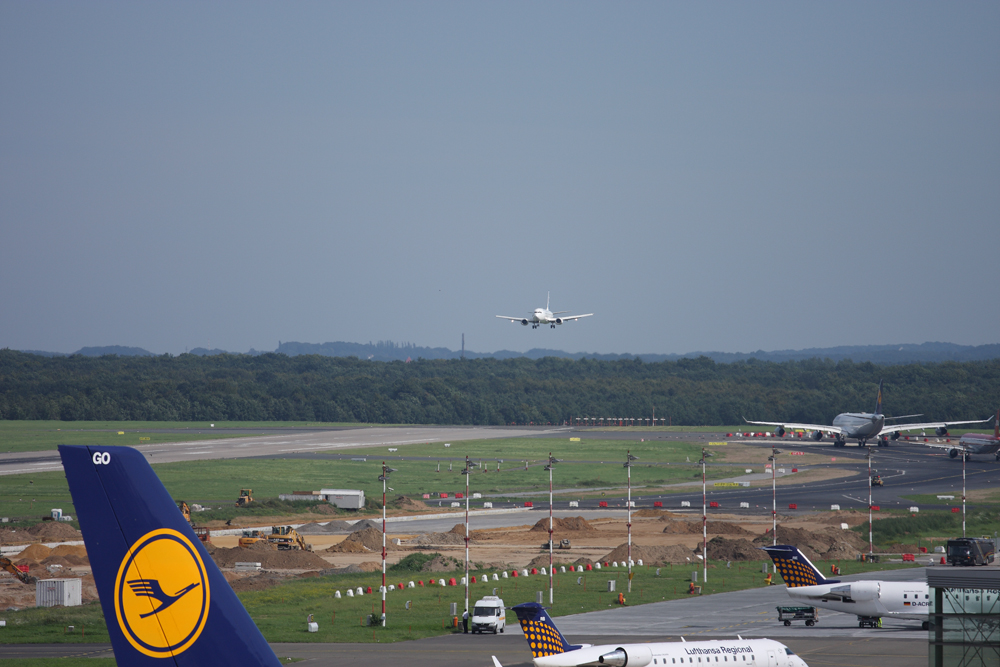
496 663
796 570
164 599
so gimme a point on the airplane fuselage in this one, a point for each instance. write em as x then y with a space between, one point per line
868 598
860 425
745 653
979 443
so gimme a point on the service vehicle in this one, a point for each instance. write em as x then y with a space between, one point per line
970 551
488 615
808 614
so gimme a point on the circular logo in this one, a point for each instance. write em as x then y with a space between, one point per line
162 594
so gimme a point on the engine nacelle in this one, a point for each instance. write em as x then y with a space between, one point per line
816 435
953 453
941 430
524 323
558 320
894 436
779 432
636 656
865 591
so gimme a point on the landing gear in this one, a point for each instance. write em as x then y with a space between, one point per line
534 326
926 625
552 326
839 442
869 621
862 442
883 441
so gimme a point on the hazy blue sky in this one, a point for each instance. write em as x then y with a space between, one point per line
703 176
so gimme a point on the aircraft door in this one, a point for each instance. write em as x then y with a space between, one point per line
772 658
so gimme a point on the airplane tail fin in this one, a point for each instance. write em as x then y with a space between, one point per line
878 400
542 634
165 601
796 570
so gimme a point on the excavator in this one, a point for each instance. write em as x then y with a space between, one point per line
282 538
246 497
24 577
203 533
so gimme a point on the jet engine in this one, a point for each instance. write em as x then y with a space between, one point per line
524 323
816 435
640 657
558 320
865 591
895 435
953 453
941 430
779 432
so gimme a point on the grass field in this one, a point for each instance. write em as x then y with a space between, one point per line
280 612
932 528
216 483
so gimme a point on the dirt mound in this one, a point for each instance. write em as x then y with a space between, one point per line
647 513
434 539
259 582
55 560
367 523
405 503
458 529
370 566
441 564
583 561
651 555
543 561
268 558
35 552
826 543
331 528
681 527
728 528
349 547
371 539
574 524
721 548
77 560
55 531
70 550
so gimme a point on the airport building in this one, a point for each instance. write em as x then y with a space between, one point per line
349 499
965 617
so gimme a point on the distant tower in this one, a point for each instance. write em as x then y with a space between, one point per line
463 346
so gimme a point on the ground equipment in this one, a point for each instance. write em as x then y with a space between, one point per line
808 614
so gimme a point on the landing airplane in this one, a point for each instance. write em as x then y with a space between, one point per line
544 316
869 600
164 599
550 649
862 426
975 443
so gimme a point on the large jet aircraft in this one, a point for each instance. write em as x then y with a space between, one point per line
164 599
974 443
863 426
869 600
545 316
550 649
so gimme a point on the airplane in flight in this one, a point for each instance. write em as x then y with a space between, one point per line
863 426
545 316
550 649
869 600
164 599
974 443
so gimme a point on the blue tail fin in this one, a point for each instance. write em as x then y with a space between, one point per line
796 570
165 602
878 399
542 634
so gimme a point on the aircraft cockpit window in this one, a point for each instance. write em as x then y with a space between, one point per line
788 651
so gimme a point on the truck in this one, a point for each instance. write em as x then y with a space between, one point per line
971 551
488 615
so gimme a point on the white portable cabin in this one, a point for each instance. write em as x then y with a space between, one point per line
348 499
58 593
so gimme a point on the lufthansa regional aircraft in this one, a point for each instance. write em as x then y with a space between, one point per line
869 600
975 443
863 426
550 649
545 316
164 599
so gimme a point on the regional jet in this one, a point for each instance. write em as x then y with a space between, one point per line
975 443
869 600
550 649
862 426
545 316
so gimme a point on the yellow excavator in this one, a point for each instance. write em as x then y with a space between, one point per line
246 497
23 576
203 533
282 538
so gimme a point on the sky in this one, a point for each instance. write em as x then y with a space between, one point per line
700 175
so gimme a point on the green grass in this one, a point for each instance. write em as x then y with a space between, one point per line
216 483
280 612
942 525
33 436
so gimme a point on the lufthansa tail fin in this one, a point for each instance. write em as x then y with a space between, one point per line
165 602
796 570
878 399
542 634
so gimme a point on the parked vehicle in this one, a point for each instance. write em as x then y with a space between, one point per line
488 615
970 551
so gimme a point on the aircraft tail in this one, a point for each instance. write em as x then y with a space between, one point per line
878 400
796 570
541 633
165 601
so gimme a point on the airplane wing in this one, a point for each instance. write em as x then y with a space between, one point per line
795 427
512 319
575 317
892 428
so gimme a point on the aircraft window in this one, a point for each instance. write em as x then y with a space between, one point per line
904 596
788 651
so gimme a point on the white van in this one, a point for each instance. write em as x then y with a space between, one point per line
489 615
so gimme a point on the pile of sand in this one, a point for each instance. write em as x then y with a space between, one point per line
55 531
405 503
681 527
79 551
35 552
349 547
455 536
574 524
367 523
651 555
647 513
543 561
721 548
826 543
331 528
267 557
441 564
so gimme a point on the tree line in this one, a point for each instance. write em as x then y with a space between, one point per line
276 387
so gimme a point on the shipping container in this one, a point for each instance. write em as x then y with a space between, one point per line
58 593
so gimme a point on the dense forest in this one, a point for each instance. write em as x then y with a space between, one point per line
479 391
